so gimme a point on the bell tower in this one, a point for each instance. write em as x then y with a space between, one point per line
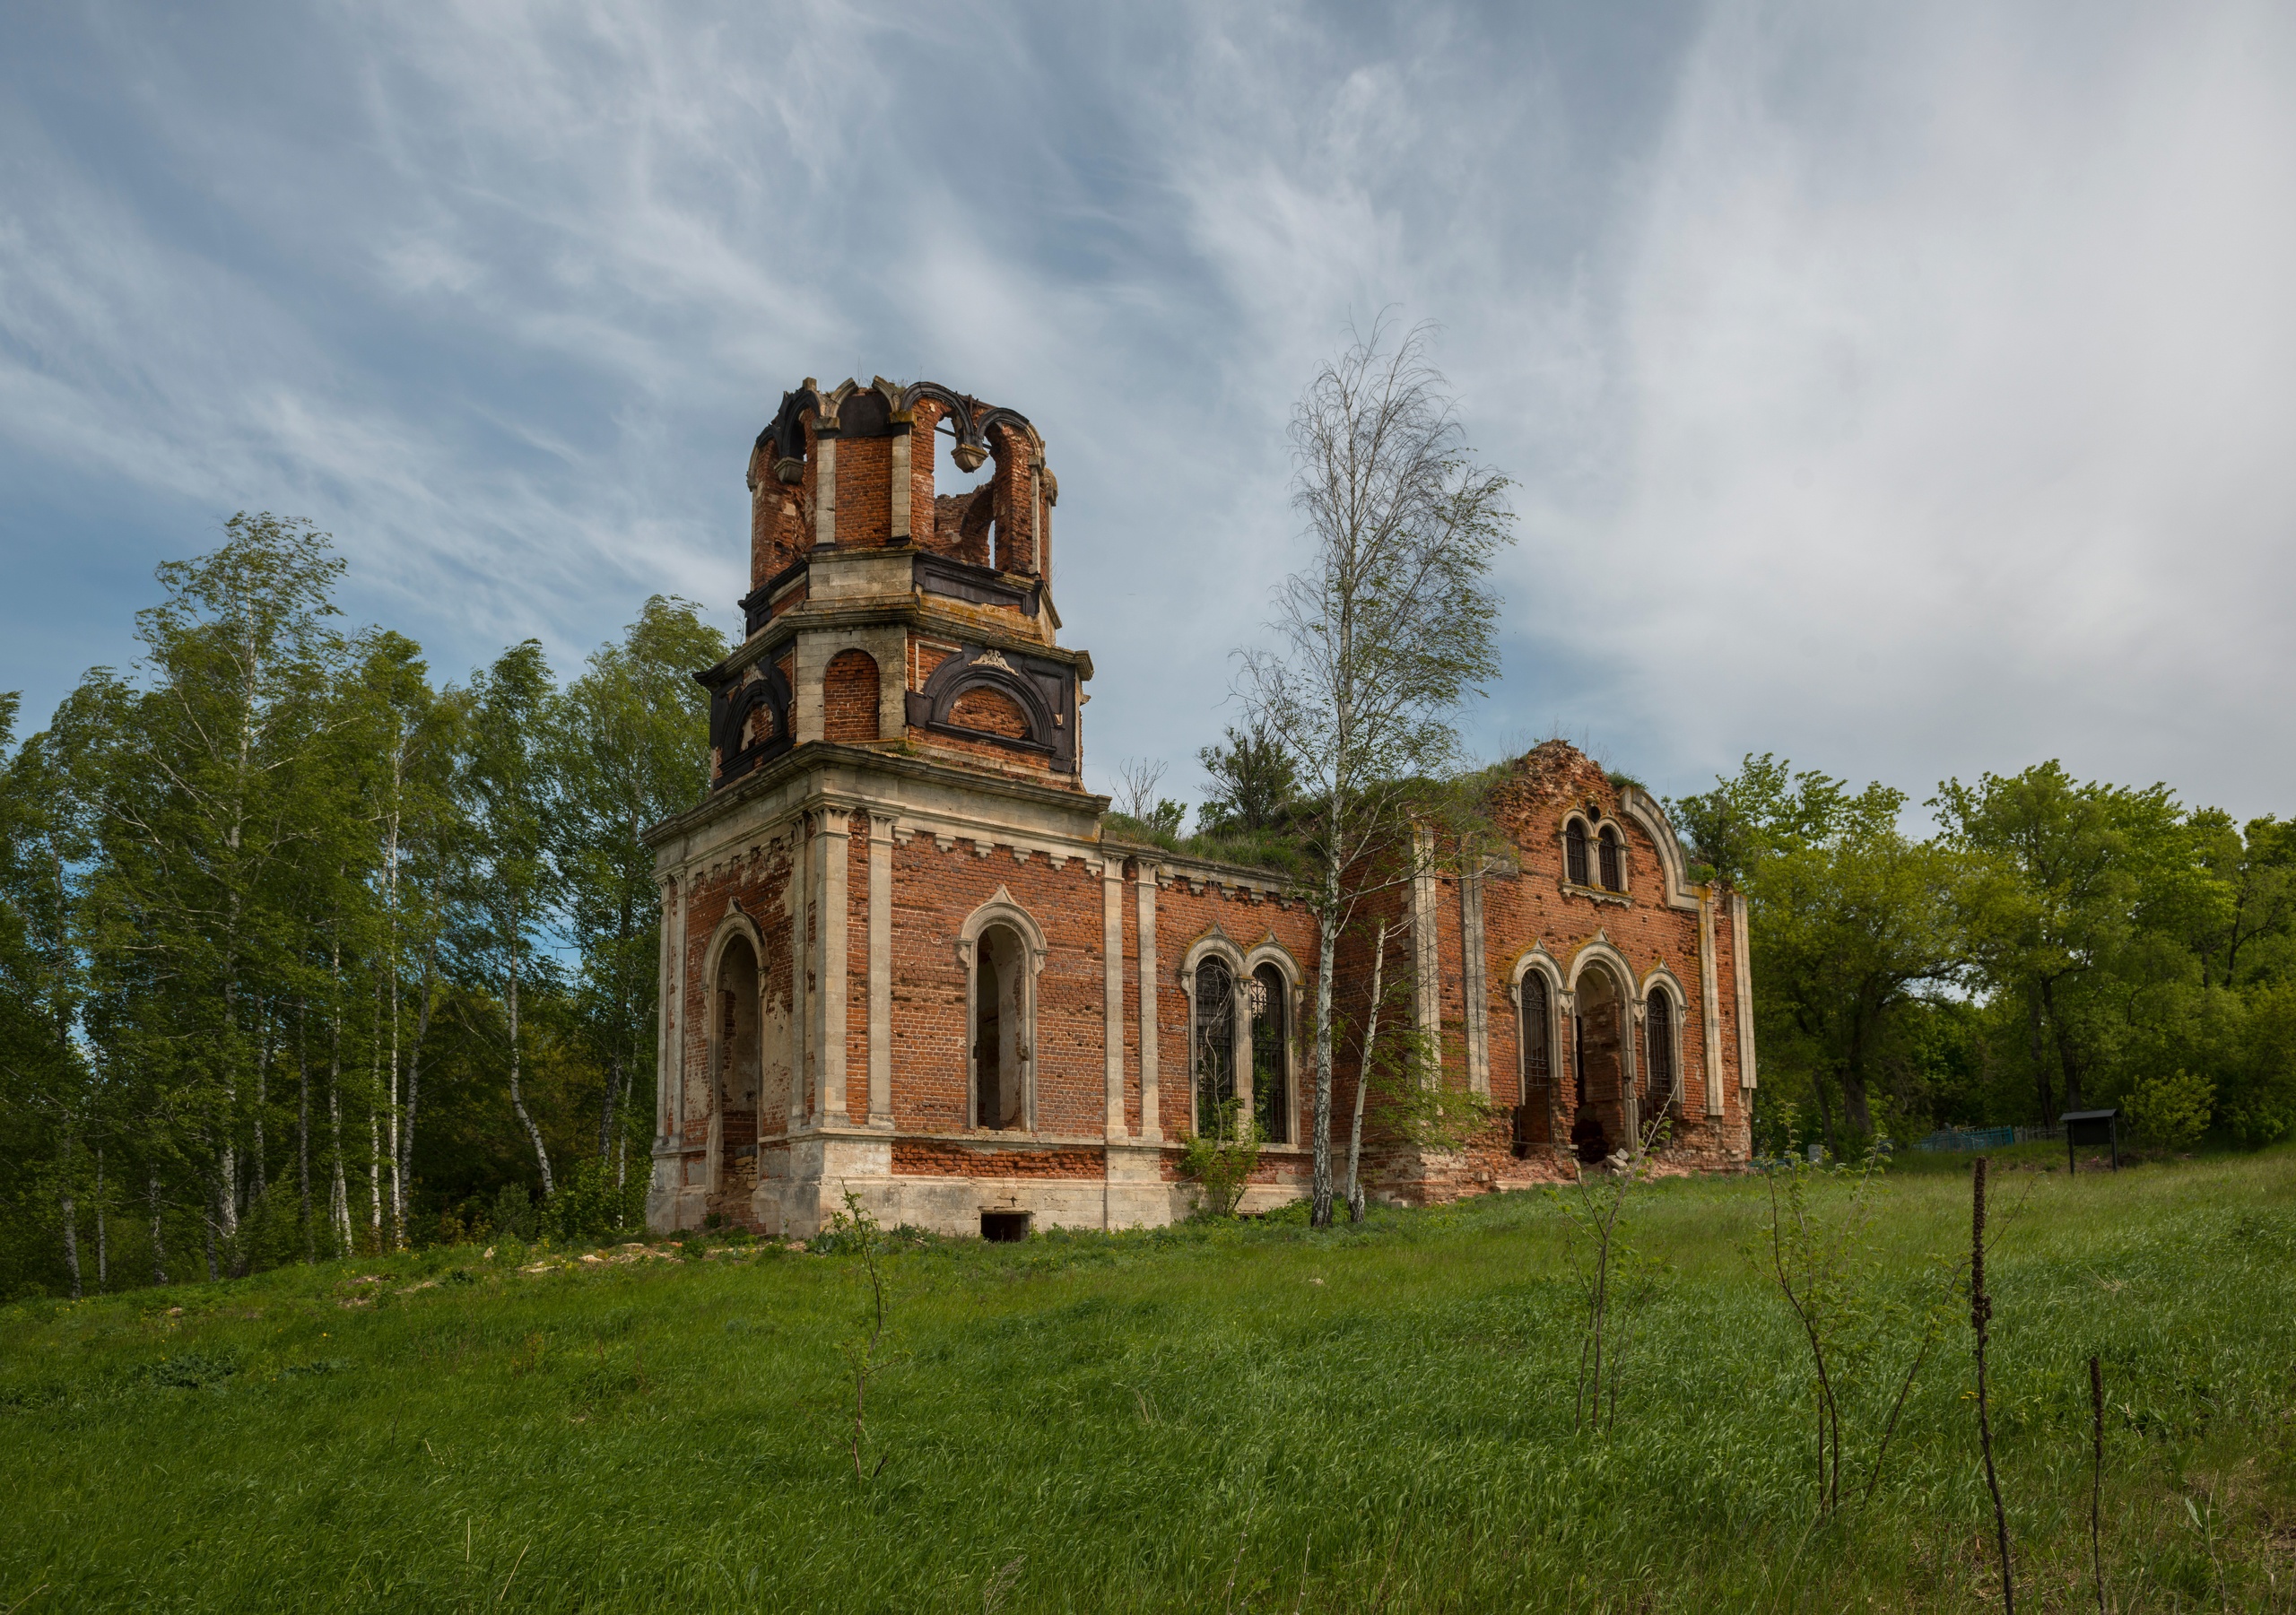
884 613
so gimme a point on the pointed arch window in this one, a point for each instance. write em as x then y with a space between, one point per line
1613 864
1574 852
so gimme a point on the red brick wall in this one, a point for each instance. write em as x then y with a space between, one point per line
990 711
1015 509
759 880
934 893
849 697
941 1158
924 441
865 469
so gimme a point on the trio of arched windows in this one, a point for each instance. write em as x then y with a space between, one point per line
1595 1038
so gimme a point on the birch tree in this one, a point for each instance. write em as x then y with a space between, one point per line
1379 636
510 795
630 743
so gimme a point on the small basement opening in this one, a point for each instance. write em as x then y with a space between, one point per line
1005 1227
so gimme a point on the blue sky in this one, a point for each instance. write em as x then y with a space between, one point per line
1905 390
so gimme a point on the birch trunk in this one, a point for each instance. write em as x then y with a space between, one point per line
518 1099
414 1065
1363 1080
1326 957
375 1120
104 1243
158 1246
390 900
339 1195
71 1220
262 1096
303 1129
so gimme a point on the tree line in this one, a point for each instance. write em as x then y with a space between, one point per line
2052 945
304 952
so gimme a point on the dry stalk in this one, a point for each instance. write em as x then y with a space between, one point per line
1981 1322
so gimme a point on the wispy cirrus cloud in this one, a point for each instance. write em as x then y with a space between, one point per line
1899 390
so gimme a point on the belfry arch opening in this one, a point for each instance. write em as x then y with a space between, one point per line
1000 1039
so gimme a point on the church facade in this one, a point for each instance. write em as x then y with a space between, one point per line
903 957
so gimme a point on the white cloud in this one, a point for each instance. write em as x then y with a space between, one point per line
1899 390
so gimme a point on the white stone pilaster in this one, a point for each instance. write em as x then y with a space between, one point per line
1741 967
666 1066
880 966
836 832
1710 1003
825 492
1112 1017
802 1075
1474 982
1152 1122
899 492
1426 951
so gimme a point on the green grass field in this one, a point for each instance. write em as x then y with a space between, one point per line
1251 1417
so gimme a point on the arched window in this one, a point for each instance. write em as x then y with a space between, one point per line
1574 851
1659 1034
732 1169
1213 1056
1533 1117
1271 1056
1614 866
1000 997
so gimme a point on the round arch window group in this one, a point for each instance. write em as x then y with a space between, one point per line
1596 860
1579 1051
1263 1008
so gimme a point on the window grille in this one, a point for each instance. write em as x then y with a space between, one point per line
1658 1032
1271 1061
1574 846
1215 1041
1613 877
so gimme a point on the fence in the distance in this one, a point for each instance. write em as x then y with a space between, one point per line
1987 1137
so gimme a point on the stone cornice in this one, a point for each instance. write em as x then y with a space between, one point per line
822 755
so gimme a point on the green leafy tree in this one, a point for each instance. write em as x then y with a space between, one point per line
1253 782
2094 883
511 892
199 782
1853 922
630 746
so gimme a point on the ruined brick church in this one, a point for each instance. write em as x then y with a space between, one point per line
903 955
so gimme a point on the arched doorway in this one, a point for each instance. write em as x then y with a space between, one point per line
1000 1041
738 1074
1603 1122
